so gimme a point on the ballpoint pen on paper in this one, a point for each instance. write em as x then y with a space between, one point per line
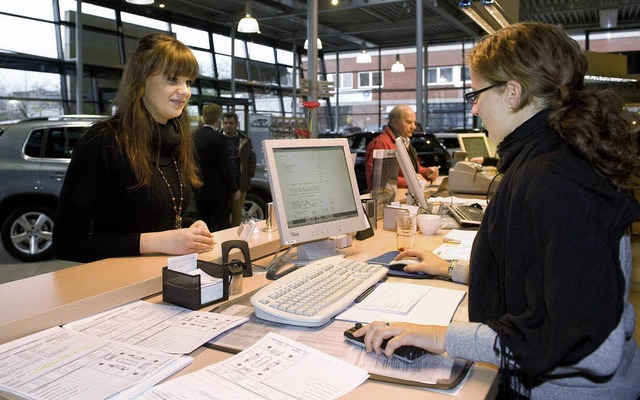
367 292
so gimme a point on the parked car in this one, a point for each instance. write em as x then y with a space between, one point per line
430 153
34 156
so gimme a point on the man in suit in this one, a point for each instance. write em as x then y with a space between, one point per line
217 158
246 160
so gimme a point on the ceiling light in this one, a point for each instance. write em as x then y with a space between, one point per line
467 7
496 12
140 2
363 57
334 2
397 66
248 24
318 44
608 18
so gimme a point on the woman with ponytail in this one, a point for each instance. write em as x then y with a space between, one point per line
550 266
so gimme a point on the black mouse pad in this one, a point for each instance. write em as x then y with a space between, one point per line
386 258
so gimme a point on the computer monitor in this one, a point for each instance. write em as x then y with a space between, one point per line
315 192
409 173
475 144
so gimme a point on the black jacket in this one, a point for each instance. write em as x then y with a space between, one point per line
216 156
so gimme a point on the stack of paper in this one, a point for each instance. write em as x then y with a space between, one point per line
210 288
273 368
406 302
162 327
456 245
121 352
60 364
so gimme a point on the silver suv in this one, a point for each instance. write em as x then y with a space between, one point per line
34 156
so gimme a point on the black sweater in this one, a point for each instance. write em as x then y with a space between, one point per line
100 214
545 271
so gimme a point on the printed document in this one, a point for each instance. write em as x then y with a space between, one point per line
273 368
456 245
60 364
330 339
162 327
435 306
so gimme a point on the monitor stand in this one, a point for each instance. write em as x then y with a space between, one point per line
308 252
281 265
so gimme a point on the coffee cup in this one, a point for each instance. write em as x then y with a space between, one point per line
430 223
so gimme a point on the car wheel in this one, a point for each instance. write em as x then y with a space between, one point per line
27 233
254 208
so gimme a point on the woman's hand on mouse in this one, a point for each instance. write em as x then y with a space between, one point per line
429 264
431 338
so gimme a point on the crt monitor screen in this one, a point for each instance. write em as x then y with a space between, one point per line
314 189
475 144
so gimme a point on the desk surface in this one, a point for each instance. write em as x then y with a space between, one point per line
40 302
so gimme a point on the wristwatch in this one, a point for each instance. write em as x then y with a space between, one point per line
452 264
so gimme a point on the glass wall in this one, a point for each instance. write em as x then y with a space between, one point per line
37 73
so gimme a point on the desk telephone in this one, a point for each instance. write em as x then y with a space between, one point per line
469 177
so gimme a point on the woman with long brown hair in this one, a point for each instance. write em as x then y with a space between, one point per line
131 176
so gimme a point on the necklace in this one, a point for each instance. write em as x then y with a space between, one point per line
176 208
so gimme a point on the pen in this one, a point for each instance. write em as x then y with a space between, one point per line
367 292
445 240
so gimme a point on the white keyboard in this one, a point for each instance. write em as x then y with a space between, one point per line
315 293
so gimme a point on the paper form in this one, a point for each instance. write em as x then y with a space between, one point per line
321 338
436 307
273 368
394 299
430 369
58 364
456 245
330 339
162 327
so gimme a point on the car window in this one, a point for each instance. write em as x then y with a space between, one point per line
34 144
426 145
61 141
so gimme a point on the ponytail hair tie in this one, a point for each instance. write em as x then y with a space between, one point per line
564 91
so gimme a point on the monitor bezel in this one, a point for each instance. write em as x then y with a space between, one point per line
316 231
483 136
409 173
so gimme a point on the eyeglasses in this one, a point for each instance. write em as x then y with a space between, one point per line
472 97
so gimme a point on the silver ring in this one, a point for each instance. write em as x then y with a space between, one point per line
386 324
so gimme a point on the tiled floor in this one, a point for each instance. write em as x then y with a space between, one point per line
11 269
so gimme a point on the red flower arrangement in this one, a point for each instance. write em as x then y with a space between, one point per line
308 105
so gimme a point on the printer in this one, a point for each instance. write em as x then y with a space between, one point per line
469 177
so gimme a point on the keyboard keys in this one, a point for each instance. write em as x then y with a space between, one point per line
315 293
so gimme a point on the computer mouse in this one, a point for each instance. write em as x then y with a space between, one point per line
398 265
475 205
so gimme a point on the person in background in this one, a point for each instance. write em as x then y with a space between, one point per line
246 162
216 155
550 266
402 123
129 181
